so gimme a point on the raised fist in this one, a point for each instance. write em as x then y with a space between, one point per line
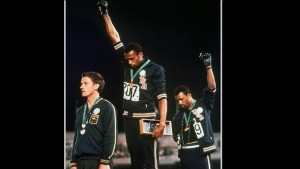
206 57
102 6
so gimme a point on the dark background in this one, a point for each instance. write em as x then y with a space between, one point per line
172 34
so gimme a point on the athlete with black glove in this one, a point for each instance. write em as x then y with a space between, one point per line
192 128
144 83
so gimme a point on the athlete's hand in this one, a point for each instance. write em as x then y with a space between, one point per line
101 166
206 57
102 6
73 167
158 131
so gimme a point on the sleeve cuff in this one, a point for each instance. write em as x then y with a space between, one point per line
118 45
211 90
162 96
104 162
73 164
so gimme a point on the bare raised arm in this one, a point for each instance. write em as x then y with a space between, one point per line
110 28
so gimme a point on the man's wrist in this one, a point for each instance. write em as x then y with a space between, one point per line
162 124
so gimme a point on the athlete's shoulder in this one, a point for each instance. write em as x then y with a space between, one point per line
106 103
176 115
155 66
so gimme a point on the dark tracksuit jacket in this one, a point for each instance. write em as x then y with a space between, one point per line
200 125
149 84
100 137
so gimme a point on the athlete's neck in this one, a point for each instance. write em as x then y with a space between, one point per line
92 98
192 101
141 61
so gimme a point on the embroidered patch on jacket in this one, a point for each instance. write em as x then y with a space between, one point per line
143 79
94 119
198 113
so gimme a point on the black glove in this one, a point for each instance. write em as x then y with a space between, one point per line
102 6
206 57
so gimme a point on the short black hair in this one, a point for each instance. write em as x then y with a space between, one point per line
182 88
137 48
97 78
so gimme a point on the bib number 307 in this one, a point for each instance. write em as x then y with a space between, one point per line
131 93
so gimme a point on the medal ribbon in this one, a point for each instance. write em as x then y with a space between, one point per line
188 119
84 116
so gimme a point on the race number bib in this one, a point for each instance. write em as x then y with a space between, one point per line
133 93
198 129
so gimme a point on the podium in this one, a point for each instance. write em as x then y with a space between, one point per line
148 125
